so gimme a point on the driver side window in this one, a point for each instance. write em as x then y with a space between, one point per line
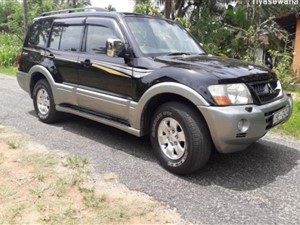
96 39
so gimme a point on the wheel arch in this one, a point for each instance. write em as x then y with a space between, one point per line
160 94
37 73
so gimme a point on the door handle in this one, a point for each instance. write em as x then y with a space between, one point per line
51 56
86 63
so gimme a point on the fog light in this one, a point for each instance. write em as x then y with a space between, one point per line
243 125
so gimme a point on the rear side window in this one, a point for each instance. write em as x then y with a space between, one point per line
39 33
66 38
96 38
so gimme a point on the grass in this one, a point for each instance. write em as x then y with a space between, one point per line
8 70
10 46
17 141
292 127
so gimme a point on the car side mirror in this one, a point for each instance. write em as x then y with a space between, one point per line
114 47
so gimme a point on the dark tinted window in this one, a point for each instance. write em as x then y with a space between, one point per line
39 33
96 38
66 38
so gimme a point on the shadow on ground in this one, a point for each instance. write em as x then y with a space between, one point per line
253 168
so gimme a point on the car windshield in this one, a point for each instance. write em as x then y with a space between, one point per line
157 37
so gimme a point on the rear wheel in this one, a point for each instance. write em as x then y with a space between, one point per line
180 138
44 103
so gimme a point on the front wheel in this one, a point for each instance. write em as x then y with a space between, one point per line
44 103
180 138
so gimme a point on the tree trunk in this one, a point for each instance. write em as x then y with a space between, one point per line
168 8
74 3
179 7
25 5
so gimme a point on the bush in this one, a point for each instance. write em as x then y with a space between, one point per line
283 68
10 47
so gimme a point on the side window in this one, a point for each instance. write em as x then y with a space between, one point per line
55 37
66 38
39 33
96 38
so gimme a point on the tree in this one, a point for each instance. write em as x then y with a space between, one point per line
141 1
147 8
25 6
6 10
110 8
168 8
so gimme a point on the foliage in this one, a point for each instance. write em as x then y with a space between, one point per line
211 32
12 14
283 68
147 8
12 23
141 1
184 22
8 70
110 8
10 46
8 14
233 28
246 37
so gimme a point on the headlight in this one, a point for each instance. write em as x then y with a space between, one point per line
231 94
280 88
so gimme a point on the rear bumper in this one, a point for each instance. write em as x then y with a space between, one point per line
24 81
223 123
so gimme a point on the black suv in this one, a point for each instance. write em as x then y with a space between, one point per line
147 75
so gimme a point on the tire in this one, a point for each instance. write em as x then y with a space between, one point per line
180 138
44 103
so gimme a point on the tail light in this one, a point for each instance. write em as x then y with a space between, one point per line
19 61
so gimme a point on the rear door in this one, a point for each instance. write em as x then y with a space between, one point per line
64 47
35 44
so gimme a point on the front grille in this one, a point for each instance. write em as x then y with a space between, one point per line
269 117
265 91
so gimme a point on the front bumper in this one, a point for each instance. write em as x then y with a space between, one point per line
223 123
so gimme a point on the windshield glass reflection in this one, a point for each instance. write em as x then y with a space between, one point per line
160 37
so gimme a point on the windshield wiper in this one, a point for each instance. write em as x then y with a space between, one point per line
179 53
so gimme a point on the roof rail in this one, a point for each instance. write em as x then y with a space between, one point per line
97 9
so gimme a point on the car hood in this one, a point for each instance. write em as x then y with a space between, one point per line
222 68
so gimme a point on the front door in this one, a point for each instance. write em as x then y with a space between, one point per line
105 82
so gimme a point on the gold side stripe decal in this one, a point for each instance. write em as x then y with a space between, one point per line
111 71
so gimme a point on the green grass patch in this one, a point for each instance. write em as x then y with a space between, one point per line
8 70
10 47
292 127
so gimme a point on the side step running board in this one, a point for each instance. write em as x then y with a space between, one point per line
99 119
